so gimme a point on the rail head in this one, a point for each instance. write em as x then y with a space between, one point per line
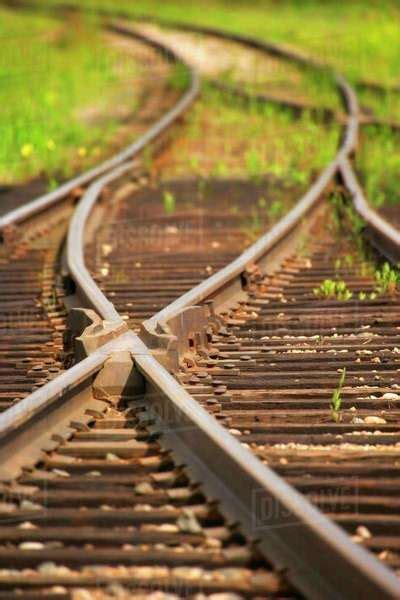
86 287
45 417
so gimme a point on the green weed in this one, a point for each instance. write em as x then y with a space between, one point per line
221 169
348 223
331 289
194 164
169 202
275 210
262 203
378 160
336 400
242 142
387 280
147 158
254 164
349 260
52 184
179 77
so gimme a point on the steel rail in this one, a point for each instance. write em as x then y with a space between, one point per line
28 427
86 286
240 481
86 289
383 235
204 290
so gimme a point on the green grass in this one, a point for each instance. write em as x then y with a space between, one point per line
385 105
42 130
53 75
358 37
252 141
255 71
387 280
169 202
288 81
378 160
336 400
330 289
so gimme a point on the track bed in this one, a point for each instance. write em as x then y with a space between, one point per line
109 512
273 365
163 240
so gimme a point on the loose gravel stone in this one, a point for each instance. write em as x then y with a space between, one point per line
390 396
112 457
51 569
363 532
28 505
31 546
373 420
27 525
82 594
188 523
144 488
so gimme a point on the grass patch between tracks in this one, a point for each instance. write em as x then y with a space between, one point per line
384 105
378 160
224 138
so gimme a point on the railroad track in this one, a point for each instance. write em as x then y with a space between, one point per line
100 468
198 237
269 372
32 316
32 310
141 511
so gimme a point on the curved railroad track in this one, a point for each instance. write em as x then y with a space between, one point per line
32 310
116 467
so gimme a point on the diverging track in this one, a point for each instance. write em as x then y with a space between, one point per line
117 441
32 312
